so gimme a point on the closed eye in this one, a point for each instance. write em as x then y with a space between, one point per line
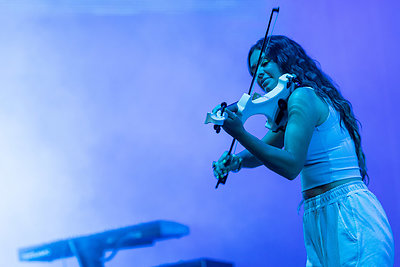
264 62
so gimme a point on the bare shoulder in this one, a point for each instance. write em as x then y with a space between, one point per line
304 96
304 102
302 93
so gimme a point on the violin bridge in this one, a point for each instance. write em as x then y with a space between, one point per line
255 96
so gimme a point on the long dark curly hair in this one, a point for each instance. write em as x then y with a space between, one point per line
291 58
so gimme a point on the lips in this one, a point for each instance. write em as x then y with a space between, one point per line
265 81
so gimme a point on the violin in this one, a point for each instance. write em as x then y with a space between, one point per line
272 105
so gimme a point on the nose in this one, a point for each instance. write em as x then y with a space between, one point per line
260 75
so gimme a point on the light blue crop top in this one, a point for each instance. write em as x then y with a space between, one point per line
331 155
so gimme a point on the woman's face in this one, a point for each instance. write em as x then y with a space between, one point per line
268 72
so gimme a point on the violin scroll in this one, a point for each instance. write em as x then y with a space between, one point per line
217 127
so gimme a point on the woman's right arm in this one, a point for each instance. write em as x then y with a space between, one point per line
271 138
245 159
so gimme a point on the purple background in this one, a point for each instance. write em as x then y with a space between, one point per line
102 110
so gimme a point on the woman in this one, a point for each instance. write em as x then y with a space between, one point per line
344 224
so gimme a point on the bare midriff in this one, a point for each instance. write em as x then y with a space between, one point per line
326 187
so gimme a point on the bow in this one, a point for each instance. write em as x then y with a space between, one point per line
218 118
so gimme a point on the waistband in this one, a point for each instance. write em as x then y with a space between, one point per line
333 194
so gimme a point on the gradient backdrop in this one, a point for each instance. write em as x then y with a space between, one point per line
102 111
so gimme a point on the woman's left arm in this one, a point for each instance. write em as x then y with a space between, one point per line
289 161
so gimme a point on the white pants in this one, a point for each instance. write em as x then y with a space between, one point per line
347 226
